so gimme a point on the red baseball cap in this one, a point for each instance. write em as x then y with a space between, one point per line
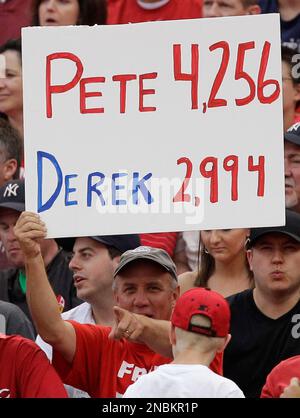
280 377
206 302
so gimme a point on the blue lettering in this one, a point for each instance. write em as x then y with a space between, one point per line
115 187
69 190
93 188
47 205
140 185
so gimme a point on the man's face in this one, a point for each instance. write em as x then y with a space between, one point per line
93 269
275 261
292 175
145 288
290 95
222 8
59 12
8 219
11 96
8 167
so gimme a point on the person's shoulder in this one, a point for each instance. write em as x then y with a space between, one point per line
3 337
186 280
289 363
17 341
239 298
9 342
8 309
81 313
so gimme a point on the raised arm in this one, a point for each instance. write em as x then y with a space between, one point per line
29 231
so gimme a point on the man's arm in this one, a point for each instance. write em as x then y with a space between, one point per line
139 328
40 297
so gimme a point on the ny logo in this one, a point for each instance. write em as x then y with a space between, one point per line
11 189
294 127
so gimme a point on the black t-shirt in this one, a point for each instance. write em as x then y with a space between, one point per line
258 342
290 29
60 278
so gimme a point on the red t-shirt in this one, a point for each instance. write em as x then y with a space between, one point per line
280 377
104 367
129 11
25 371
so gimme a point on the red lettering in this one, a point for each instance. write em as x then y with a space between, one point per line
123 78
260 168
212 101
143 92
60 88
84 95
211 174
231 163
180 195
241 74
193 77
261 83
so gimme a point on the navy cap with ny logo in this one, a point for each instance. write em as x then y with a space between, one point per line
293 134
12 195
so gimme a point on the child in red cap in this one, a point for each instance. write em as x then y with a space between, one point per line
200 329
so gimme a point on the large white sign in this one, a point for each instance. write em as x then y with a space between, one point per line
161 126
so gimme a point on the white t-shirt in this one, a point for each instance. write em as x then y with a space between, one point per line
183 381
82 314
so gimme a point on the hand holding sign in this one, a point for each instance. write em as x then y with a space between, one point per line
29 229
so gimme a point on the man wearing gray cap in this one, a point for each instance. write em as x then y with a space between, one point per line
265 321
88 357
292 167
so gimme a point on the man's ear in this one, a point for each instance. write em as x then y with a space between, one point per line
9 169
116 261
254 10
249 254
225 343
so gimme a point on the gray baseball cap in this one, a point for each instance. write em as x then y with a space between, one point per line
156 255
